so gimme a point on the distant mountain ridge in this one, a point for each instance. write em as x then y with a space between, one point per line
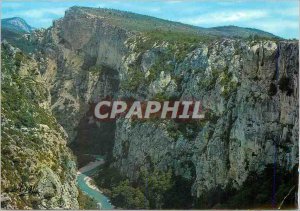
236 31
16 24
144 23
13 29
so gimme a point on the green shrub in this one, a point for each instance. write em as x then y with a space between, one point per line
128 197
85 202
272 90
108 177
285 85
256 192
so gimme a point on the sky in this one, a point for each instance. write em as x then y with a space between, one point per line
278 17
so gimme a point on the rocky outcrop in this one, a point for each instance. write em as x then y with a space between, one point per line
38 170
249 89
84 56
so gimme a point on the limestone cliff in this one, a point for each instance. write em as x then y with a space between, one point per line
249 87
251 92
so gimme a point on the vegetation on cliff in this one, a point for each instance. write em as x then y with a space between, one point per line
39 171
85 202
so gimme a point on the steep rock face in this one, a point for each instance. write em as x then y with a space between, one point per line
249 89
252 110
84 57
38 170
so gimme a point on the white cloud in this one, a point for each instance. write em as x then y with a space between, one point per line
46 20
277 26
294 11
227 17
153 9
173 1
40 13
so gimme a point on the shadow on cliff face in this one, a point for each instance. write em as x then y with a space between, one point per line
257 192
93 139
96 138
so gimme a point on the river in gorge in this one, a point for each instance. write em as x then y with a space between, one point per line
84 175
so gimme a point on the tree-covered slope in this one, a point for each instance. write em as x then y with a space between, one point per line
38 170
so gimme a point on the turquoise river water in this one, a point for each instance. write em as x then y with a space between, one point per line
102 201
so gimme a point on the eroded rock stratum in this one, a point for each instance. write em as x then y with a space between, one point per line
249 88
